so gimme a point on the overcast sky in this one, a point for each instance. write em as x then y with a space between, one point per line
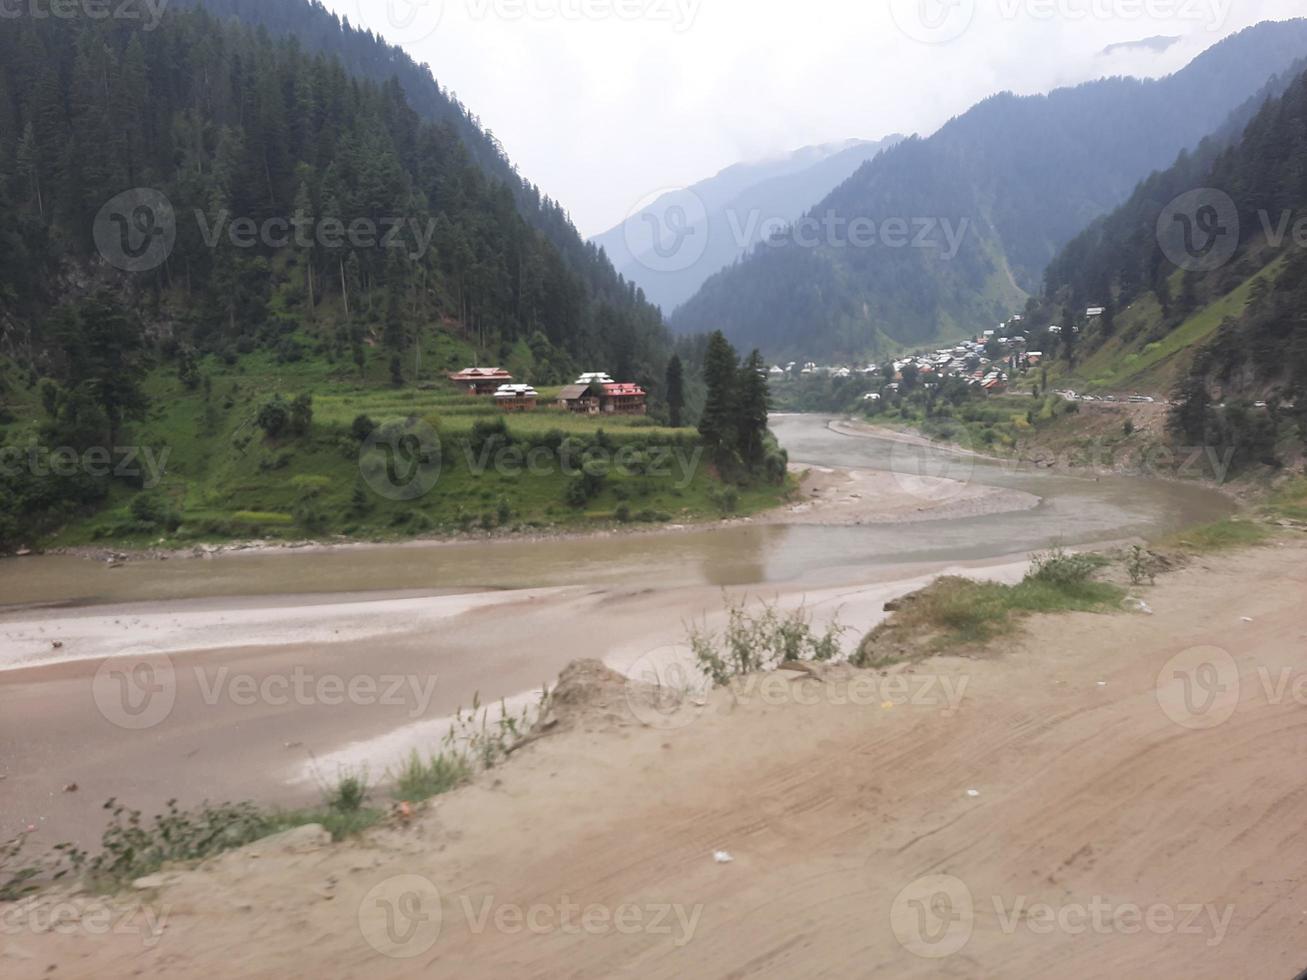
604 102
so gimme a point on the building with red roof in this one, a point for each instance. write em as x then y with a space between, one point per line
481 381
624 399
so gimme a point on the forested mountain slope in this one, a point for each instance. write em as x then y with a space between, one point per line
1203 274
966 220
222 251
227 123
363 54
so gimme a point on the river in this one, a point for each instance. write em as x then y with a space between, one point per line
444 622
1073 510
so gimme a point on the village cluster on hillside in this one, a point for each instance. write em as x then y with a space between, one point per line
593 393
988 361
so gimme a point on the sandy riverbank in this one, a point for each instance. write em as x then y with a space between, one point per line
256 698
1071 776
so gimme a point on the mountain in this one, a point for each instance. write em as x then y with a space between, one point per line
725 216
1203 276
233 275
310 26
262 122
939 237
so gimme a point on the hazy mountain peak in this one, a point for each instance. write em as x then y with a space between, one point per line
1157 45
727 214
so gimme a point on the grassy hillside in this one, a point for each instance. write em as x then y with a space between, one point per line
221 476
1144 356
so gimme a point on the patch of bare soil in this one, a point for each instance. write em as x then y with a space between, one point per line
1108 796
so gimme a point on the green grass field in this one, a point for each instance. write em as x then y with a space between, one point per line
1122 364
225 479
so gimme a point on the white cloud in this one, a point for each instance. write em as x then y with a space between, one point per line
602 101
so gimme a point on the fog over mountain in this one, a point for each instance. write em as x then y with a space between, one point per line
966 220
726 215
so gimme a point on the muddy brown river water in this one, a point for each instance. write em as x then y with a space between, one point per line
1073 510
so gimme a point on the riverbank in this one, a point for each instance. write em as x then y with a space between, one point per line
268 698
1099 439
1064 771
821 496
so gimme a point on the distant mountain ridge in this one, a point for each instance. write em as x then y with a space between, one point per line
728 214
1024 174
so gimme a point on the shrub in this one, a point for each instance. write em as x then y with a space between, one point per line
420 780
362 427
301 415
758 643
309 516
727 499
1058 568
1142 566
151 510
349 793
273 417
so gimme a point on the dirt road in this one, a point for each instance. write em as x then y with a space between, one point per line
1072 814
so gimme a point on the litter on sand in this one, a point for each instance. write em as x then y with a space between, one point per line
722 857
1247 619
1138 605
973 793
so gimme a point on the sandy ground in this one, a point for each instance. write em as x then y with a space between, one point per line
269 699
1059 809
838 497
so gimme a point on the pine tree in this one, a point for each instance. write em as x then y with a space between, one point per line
675 391
29 165
753 406
302 222
717 426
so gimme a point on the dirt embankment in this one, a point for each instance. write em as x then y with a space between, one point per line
1109 796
